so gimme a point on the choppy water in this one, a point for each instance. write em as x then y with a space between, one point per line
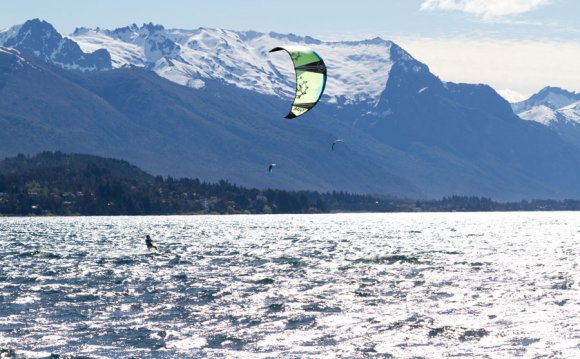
362 285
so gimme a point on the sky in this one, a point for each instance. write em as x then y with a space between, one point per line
520 45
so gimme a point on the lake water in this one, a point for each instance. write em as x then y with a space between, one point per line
343 285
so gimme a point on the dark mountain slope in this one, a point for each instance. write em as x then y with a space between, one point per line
466 138
219 132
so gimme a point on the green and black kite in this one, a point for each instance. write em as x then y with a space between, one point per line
310 78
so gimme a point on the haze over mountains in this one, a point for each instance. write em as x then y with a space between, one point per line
215 112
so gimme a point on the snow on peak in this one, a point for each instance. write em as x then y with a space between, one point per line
122 53
40 39
550 105
555 97
542 114
9 33
574 106
571 112
402 57
358 70
552 97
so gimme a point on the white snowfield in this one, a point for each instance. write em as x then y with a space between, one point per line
571 112
548 116
9 33
358 71
542 114
550 107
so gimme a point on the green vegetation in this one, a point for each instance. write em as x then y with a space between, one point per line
70 184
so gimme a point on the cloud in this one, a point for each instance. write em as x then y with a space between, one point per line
485 9
522 66
511 95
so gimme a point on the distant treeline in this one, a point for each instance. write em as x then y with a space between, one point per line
53 183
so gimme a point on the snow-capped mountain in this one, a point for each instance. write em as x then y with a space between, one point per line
550 97
408 133
548 116
40 39
358 70
555 108
550 106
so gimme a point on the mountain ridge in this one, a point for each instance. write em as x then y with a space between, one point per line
408 135
168 129
551 97
557 109
40 39
188 57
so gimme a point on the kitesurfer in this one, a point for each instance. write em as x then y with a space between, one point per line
149 243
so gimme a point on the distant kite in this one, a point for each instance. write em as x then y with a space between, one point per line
310 78
335 142
271 167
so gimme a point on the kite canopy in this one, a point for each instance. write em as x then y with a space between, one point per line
335 142
310 78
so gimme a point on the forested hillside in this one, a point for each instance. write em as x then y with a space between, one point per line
53 183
